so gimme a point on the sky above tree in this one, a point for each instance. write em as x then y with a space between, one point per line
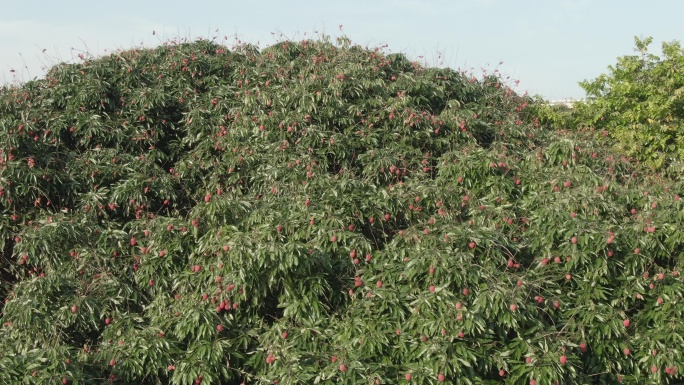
548 46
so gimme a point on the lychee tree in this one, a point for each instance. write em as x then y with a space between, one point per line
322 212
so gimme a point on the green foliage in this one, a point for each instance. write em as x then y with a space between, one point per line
641 104
320 212
556 116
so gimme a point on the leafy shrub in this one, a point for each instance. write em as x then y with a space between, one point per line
558 116
320 212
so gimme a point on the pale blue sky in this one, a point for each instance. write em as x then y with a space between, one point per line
548 45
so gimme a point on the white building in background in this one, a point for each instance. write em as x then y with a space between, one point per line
570 103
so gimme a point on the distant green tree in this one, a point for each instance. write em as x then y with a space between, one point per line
641 103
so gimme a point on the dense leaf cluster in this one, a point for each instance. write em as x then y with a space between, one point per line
319 212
